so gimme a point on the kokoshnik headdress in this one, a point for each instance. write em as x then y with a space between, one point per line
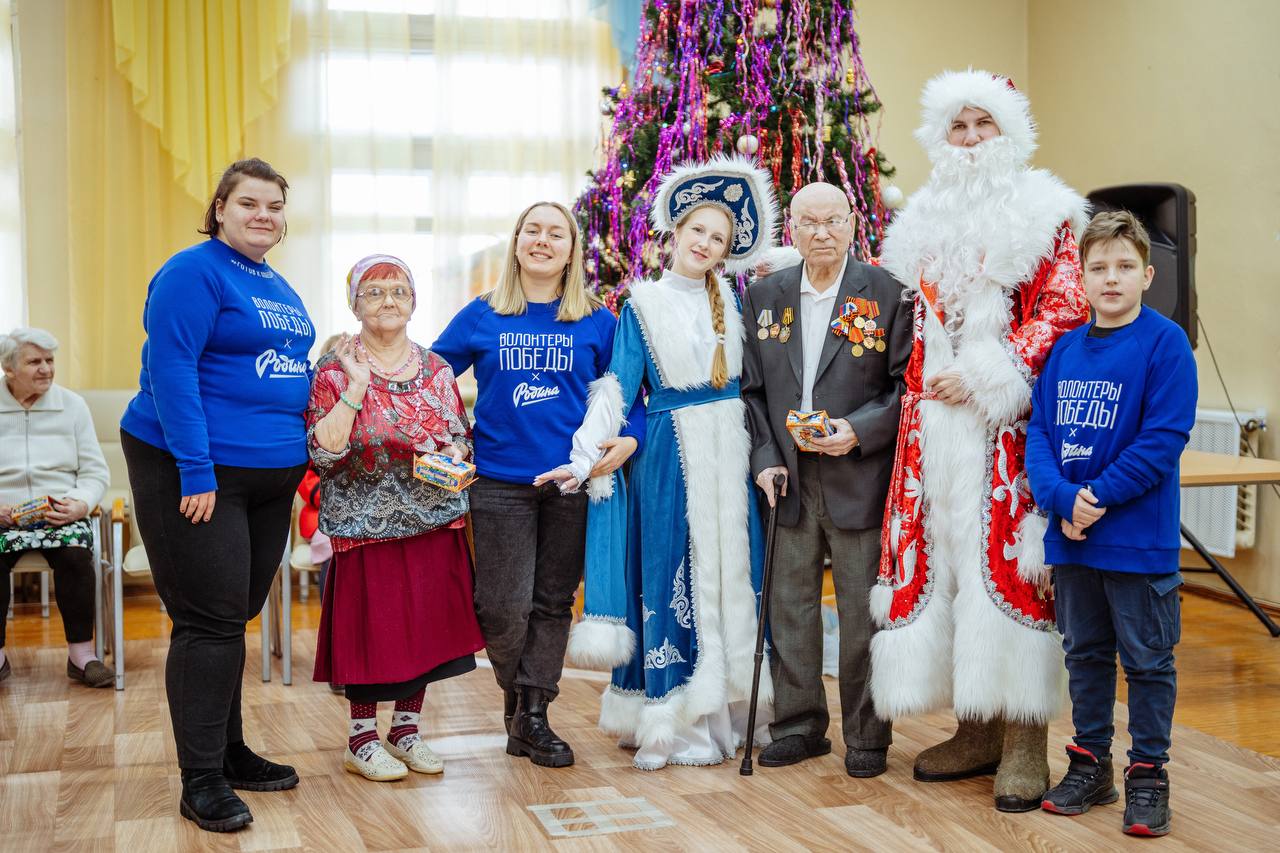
735 185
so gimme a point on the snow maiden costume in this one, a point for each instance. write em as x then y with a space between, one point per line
675 562
987 250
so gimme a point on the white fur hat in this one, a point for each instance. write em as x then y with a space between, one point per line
737 186
951 91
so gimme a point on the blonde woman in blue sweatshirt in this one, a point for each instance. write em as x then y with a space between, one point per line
1111 415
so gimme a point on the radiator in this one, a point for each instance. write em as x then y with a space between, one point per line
1223 518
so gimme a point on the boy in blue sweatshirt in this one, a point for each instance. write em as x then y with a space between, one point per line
1111 414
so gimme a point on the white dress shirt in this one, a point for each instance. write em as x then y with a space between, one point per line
817 310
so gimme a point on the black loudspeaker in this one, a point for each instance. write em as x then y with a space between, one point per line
1168 211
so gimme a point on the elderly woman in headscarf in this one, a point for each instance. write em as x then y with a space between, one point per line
397 605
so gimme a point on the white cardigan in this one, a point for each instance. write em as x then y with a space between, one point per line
50 449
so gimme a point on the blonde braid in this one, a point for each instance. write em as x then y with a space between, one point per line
719 363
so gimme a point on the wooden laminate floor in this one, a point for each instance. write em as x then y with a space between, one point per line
95 770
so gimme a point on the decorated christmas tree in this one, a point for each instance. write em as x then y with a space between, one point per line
780 80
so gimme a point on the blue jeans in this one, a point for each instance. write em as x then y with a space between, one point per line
1138 615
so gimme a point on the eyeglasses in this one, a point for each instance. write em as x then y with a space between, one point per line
377 294
830 224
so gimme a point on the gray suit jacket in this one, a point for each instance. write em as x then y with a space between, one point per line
867 391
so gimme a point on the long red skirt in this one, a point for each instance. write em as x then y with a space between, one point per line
393 611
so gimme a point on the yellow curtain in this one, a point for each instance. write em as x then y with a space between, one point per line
200 70
125 215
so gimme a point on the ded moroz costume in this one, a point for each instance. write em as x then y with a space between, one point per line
987 248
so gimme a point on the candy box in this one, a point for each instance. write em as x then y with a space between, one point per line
806 426
440 470
31 513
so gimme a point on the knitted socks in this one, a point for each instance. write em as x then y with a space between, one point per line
364 727
404 721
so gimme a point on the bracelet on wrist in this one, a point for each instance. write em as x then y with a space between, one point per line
354 406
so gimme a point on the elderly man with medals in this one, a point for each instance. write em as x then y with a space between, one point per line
827 345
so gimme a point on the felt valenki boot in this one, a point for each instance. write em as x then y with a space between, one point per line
974 750
1023 777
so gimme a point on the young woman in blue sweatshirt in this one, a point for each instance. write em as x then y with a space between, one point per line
1111 415
535 342
216 444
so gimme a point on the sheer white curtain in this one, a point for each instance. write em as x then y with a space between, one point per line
421 128
13 308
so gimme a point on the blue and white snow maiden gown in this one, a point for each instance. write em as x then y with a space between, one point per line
674 561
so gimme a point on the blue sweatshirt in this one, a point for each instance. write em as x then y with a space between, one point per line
532 373
225 377
1114 414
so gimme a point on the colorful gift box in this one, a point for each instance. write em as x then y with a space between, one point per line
806 426
32 513
440 470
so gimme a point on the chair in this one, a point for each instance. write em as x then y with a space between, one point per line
106 408
278 614
34 561
27 563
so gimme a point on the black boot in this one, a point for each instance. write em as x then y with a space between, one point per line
531 734
1146 797
1089 782
509 698
246 770
208 800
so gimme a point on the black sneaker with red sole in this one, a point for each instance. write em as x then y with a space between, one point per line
1146 796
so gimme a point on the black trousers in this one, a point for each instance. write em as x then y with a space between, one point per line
213 577
530 546
73 581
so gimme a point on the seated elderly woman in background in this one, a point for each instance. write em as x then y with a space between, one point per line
49 453
397 605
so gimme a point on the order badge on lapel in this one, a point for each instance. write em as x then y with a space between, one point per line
857 322
788 317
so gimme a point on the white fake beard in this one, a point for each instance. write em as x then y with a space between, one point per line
968 203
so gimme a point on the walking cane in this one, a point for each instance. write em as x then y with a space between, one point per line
765 583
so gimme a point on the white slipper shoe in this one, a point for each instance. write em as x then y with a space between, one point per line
418 757
378 766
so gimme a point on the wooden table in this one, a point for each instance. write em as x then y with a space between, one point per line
1198 468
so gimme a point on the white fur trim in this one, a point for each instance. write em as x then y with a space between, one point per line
945 96
911 666
1029 542
880 600
962 245
714 448
1003 667
996 386
606 392
778 258
961 648
601 643
681 364
761 183
620 713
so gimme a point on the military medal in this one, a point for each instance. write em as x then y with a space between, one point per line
788 317
857 350
880 347
775 330
764 321
859 322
